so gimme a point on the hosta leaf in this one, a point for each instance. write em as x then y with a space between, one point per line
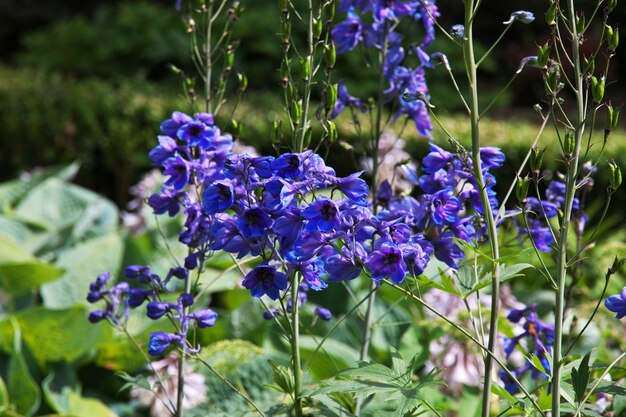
23 390
19 278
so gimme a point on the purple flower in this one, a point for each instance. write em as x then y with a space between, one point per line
344 99
168 201
254 222
218 197
179 171
617 304
491 157
457 31
97 316
160 341
157 309
323 313
196 134
444 207
385 262
520 16
354 188
341 268
165 150
137 296
265 280
322 214
288 165
204 318
171 125
347 34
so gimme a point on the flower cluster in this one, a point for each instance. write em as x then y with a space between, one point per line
541 337
449 207
120 298
379 34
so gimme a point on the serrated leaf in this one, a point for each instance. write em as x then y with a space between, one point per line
503 393
567 392
545 399
19 278
283 377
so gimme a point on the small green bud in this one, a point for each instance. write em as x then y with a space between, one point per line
597 88
615 176
329 10
243 82
285 30
569 144
307 137
332 131
536 159
618 263
276 125
580 23
551 14
284 70
291 92
317 28
230 58
553 75
543 55
610 5
612 116
235 127
330 55
331 96
296 110
305 68
283 5
612 37
521 189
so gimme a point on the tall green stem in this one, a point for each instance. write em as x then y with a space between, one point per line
369 314
570 189
209 58
471 67
295 347
180 394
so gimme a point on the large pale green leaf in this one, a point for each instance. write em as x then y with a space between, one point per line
23 390
59 335
86 407
12 191
19 278
330 359
12 252
82 265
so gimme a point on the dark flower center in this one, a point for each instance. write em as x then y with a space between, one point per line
195 130
328 210
392 258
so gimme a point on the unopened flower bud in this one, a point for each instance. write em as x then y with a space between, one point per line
332 131
317 28
551 14
296 110
331 96
615 176
276 131
612 116
536 160
307 136
521 189
305 68
610 4
569 143
243 81
282 4
597 88
618 263
543 55
330 55
235 127
590 65
612 37
580 23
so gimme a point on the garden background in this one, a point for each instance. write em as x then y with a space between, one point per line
84 86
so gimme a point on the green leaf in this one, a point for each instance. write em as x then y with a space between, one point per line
580 378
545 399
80 406
502 393
12 252
19 278
59 335
283 377
22 388
513 271
82 265
4 394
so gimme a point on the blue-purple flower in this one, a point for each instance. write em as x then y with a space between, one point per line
265 280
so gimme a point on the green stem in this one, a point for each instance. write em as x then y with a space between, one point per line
295 347
209 58
180 394
472 67
570 189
